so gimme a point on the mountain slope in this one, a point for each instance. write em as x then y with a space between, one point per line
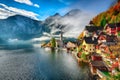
20 27
112 15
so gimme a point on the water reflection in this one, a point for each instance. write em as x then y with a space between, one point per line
37 64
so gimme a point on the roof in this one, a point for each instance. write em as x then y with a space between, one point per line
95 54
118 24
115 65
102 37
111 38
70 45
98 63
93 28
90 40
113 25
102 33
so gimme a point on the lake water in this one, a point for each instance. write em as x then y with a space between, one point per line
38 64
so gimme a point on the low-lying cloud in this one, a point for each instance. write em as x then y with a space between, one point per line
73 22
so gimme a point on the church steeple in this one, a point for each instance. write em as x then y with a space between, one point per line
61 38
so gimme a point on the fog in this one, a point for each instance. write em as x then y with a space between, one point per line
73 22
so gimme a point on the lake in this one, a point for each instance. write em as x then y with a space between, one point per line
38 64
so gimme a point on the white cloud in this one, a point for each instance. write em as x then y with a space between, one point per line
24 1
28 2
13 10
5 13
75 24
36 5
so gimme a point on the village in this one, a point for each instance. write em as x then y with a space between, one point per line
101 49
98 46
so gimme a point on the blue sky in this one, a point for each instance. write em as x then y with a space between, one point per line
41 9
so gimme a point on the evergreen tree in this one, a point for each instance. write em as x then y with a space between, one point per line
103 22
53 43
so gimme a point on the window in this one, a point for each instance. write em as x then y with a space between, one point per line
90 49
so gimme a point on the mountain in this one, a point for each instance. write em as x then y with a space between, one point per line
112 15
24 28
52 21
20 27
71 23
73 12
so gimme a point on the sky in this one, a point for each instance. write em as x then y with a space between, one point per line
41 9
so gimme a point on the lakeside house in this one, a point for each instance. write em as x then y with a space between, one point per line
118 27
100 65
91 30
111 40
47 45
89 44
102 38
107 39
104 48
112 28
96 57
70 46
97 63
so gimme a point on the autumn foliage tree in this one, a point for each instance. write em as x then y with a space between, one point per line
112 15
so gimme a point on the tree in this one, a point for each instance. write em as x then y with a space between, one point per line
118 33
116 77
83 56
53 43
103 22
81 36
116 12
116 19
